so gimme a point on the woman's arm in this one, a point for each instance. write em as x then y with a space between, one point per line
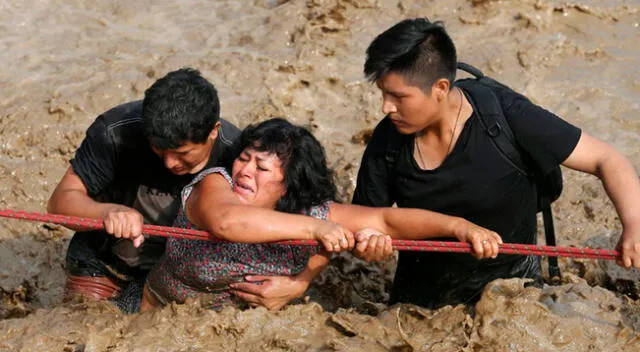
213 207
414 224
621 183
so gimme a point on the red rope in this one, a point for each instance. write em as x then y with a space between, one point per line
402 245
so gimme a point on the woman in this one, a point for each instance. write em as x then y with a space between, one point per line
280 167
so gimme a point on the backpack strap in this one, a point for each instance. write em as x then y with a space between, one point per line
549 235
493 121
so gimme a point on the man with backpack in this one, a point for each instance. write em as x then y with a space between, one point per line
476 149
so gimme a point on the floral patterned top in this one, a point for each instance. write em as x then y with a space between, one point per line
190 267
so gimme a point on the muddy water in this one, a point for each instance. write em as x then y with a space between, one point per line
65 63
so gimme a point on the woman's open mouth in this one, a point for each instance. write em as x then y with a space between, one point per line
242 188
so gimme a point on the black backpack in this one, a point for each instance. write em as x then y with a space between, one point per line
488 107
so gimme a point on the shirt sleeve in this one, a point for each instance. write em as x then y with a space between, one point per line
373 184
547 139
186 191
95 159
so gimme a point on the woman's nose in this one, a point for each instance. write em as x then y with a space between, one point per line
247 169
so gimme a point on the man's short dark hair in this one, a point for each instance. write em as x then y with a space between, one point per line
178 108
307 178
419 50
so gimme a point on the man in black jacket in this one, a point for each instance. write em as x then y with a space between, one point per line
129 170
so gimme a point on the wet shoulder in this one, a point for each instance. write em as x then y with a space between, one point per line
186 191
228 133
507 96
122 127
123 115
224 151
206 172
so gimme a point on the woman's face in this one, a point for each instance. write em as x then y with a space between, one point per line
258 178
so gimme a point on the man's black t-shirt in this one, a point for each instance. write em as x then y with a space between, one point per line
117 165
473 182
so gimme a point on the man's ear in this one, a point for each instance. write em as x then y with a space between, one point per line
214 132
440 89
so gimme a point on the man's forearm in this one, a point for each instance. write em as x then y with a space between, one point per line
75 203
621 183
70 197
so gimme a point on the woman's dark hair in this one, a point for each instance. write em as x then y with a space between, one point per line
307 179
419 50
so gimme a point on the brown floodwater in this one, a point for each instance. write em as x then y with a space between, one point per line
66 62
